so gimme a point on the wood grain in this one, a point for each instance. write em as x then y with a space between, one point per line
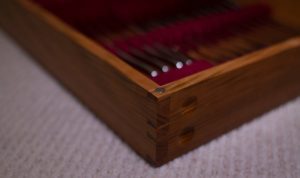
227 67
121 103
159 124
89 45
226 101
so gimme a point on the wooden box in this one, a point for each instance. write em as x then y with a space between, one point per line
159 122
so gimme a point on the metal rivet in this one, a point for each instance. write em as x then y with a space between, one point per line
160 90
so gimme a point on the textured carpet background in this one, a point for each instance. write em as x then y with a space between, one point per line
45 132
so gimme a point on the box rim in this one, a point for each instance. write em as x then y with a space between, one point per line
234 64
90 45
157 92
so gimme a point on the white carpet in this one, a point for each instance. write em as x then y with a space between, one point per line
46 132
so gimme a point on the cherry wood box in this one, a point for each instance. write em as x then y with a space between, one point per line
160 122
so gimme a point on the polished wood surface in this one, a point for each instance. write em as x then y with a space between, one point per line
158 122
226 100
227 67
89 45
115 98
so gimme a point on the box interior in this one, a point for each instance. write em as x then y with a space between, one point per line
169 40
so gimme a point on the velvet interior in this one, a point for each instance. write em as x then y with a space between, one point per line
115 13
111 15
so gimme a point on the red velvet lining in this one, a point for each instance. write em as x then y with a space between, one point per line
86 15
111 12
205 29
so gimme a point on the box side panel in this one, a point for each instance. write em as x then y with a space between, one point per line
123 105
210 108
